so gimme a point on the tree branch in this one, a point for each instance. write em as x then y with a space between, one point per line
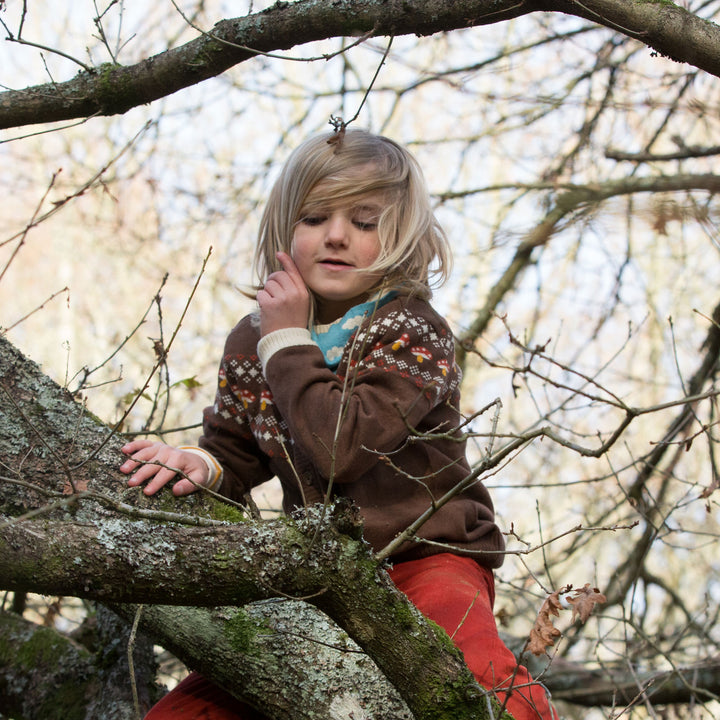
44 674
573 199
81 548
112 89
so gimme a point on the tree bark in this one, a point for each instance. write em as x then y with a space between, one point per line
42 674
277 647
111 89
49 676
69 527
283 656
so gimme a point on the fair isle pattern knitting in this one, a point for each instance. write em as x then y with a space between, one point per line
397 342
416 351
244 397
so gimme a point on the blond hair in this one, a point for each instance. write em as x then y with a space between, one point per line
413 246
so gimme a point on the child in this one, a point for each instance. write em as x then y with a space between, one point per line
330 387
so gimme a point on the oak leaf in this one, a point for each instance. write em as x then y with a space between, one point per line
544 633
584 600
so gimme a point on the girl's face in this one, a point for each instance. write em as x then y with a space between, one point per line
331 247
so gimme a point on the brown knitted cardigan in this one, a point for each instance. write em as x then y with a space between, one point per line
360 426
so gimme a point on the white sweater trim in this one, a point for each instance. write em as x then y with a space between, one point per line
279 339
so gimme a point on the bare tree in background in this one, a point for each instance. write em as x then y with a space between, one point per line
572 158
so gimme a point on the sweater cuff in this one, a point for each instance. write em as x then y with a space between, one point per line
215 471
279 339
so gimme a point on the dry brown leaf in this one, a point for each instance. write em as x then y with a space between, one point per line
708 491
544 633
584 601
78 487
502 617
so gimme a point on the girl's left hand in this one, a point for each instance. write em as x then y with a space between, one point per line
159 464
285 300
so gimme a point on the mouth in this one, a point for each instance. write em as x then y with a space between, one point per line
335 263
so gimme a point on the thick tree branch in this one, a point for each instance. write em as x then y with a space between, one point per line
135 561
246 651
55 672
44 674
111 89
266 628
685 152
698 683
264 640
76 546
667 28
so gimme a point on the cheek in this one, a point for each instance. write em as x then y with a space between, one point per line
370 253
299 249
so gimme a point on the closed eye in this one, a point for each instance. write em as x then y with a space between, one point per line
366 217
367 226
313 220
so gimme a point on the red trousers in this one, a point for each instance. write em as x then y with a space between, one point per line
457 594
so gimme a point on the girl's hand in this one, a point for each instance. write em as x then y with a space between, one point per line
285 300
169 460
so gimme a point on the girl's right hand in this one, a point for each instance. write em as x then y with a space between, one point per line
159 463
284 300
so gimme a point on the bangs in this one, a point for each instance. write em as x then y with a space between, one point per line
355 185
331 195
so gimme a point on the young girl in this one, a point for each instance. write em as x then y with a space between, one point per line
331 387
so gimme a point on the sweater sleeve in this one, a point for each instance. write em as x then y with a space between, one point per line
227 435
288 337
346 424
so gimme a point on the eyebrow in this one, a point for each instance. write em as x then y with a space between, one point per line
367 208
312 208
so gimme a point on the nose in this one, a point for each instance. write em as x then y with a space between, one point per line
337 230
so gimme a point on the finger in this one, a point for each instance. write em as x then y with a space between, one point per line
129 466
162 478
291 268
276 283
147 461
143 473
185 487
134 445
191 482
278 286
140 451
